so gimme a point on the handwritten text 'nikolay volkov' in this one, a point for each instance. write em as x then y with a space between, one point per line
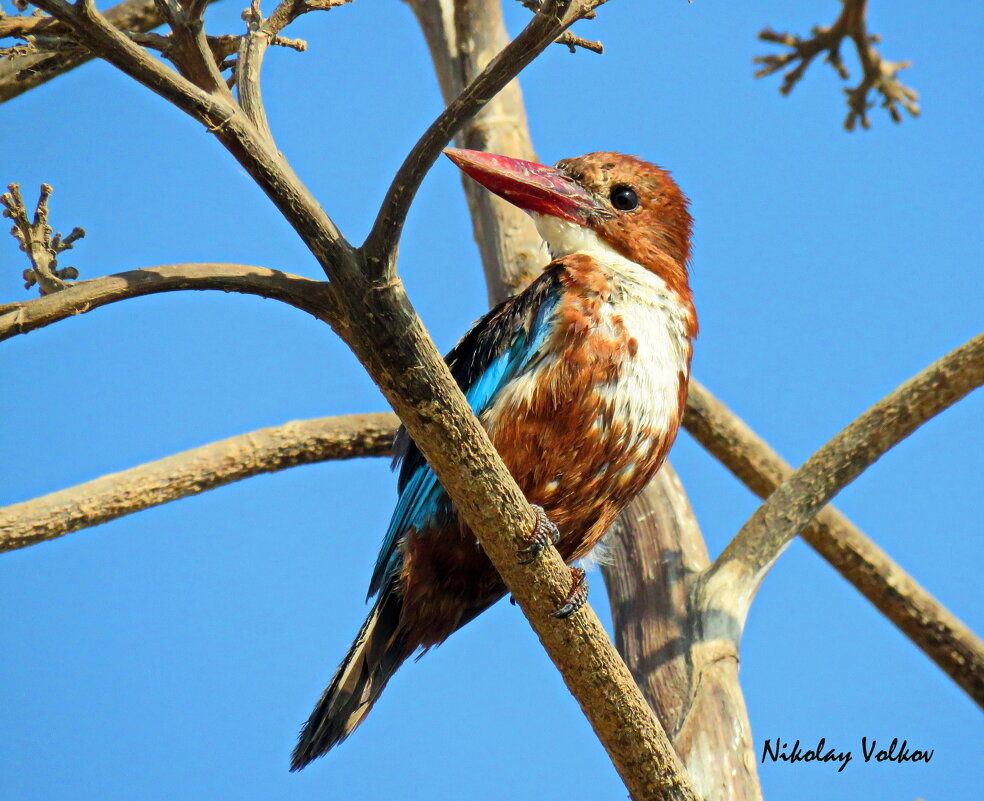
871 752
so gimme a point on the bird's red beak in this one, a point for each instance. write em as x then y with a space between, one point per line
531 186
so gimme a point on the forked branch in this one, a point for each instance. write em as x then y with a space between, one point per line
895 593
877 75
18 74
726 591
38 240
568 39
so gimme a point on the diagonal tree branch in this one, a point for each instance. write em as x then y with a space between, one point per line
463 36
21 73
552 19
725 592
191 472
377 321
314 297
897 595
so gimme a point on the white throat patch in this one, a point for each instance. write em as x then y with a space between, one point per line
565 238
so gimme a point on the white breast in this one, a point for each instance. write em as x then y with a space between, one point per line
648 390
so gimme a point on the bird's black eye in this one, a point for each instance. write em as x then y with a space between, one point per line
624 198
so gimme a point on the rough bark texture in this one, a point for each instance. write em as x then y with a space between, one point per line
895 593
132 15
266 450
692 685
720 760
84 296
726 591
511 250
376 320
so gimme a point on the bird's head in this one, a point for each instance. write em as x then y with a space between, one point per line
594 204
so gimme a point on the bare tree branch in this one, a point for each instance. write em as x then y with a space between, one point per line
463 36
189 50
377 321
265 450
19 74
725 592
36 240
547 24
213 105
877 74
314 297
896 594
289 10
247 69
568 39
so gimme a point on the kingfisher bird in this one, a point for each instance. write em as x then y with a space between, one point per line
580 381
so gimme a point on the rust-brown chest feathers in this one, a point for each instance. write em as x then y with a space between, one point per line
582 430
590 425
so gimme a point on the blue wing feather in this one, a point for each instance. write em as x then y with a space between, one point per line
501 346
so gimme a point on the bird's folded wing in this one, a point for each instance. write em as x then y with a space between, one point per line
502 345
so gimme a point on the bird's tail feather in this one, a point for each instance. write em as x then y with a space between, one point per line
378 650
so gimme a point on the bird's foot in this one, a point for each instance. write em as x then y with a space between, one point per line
578 596
544 533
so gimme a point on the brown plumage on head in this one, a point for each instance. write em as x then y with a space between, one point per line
656 234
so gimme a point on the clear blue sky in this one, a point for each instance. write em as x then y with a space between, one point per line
174 653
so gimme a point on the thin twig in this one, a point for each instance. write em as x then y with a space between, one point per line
725 593
572 42
877 74
18 75
568 39
36 240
